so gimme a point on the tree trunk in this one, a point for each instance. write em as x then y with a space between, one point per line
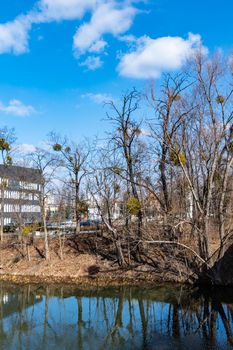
120 256
221 209
77 227
77 211
163 178
46 242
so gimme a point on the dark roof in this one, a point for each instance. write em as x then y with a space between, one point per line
20 173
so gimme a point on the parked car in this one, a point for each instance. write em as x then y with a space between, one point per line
11 228
86 223
89 223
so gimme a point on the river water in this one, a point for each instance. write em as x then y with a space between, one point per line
66 317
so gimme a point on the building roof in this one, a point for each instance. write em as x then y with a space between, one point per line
20 173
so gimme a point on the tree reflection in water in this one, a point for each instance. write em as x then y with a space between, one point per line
37 317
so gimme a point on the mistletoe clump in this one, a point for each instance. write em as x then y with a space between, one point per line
220 99
177 157
133 206
117 170
57 147
4 145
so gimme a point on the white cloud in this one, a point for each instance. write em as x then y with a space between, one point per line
64 9
17 108
92 63
14 36
113 17
26 148
130 39
98 46
98 98
108 18
154 56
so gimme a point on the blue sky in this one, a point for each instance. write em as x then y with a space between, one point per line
59 59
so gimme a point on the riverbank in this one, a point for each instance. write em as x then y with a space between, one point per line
97 281
81 262
84 269
90 261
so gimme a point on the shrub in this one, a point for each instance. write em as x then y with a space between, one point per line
26 231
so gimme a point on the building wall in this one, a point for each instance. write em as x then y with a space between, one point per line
20 191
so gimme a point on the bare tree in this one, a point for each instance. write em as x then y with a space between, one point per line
101 187
125 139
195 118
47 165
74 158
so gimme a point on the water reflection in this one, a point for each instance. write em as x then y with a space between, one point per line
36 317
